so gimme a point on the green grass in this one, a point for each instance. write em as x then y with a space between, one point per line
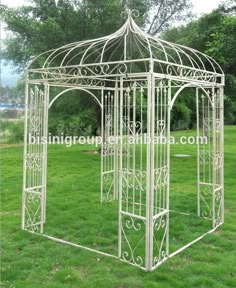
75 214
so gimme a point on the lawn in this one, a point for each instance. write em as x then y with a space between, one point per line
75 214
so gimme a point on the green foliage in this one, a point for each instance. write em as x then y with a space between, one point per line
82 125
74 114
215 35
13 95
181 116
45 25
12 132
162 11
230 110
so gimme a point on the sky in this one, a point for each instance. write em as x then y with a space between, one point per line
8 78
204 6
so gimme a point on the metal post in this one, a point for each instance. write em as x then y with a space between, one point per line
168 169
102 146
213 157
120 169
44 164
150 171
222 149
25 150
115 195
198 154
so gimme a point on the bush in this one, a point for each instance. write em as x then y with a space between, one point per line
82 124
230 111
181 117
12 132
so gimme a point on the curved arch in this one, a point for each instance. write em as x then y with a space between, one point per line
74 88
186 86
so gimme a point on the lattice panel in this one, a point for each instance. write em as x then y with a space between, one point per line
160 230
33 211
35 157
133 232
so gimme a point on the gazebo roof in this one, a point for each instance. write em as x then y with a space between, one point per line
129 45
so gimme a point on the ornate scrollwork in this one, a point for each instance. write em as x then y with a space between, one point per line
108 198
157 259
161 126
218 195
108 120
108 181
122 68
35 124
160 177
129 13
33 211
170 70
86 82
108 150
65 74
218 125
206 193
207 123
34 161
159 224
159 236
217 161
129 257
205 157
134 127
129 245
188 72
130 224
33 198
134 179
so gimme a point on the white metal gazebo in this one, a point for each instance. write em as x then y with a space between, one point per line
135 78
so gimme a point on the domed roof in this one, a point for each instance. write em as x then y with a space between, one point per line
131 44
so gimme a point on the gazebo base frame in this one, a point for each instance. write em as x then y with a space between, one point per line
65 242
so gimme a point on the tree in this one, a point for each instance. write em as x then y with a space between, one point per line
165 12
47 24
215 35
228 7
13 95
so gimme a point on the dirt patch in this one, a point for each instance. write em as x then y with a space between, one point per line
10 145
14 212
218 232
91 151
55 268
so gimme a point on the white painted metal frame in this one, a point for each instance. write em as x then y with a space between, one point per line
135 78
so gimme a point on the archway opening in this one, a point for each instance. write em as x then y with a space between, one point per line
191 134
73 208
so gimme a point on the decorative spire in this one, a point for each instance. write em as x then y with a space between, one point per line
129 13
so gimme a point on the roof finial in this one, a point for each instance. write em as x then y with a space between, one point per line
129 13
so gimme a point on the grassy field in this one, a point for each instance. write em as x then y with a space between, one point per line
75 214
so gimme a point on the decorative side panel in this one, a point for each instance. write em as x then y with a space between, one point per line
160 231
133 233
205 154
218 190
161 124
35 157
133 172
108 150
